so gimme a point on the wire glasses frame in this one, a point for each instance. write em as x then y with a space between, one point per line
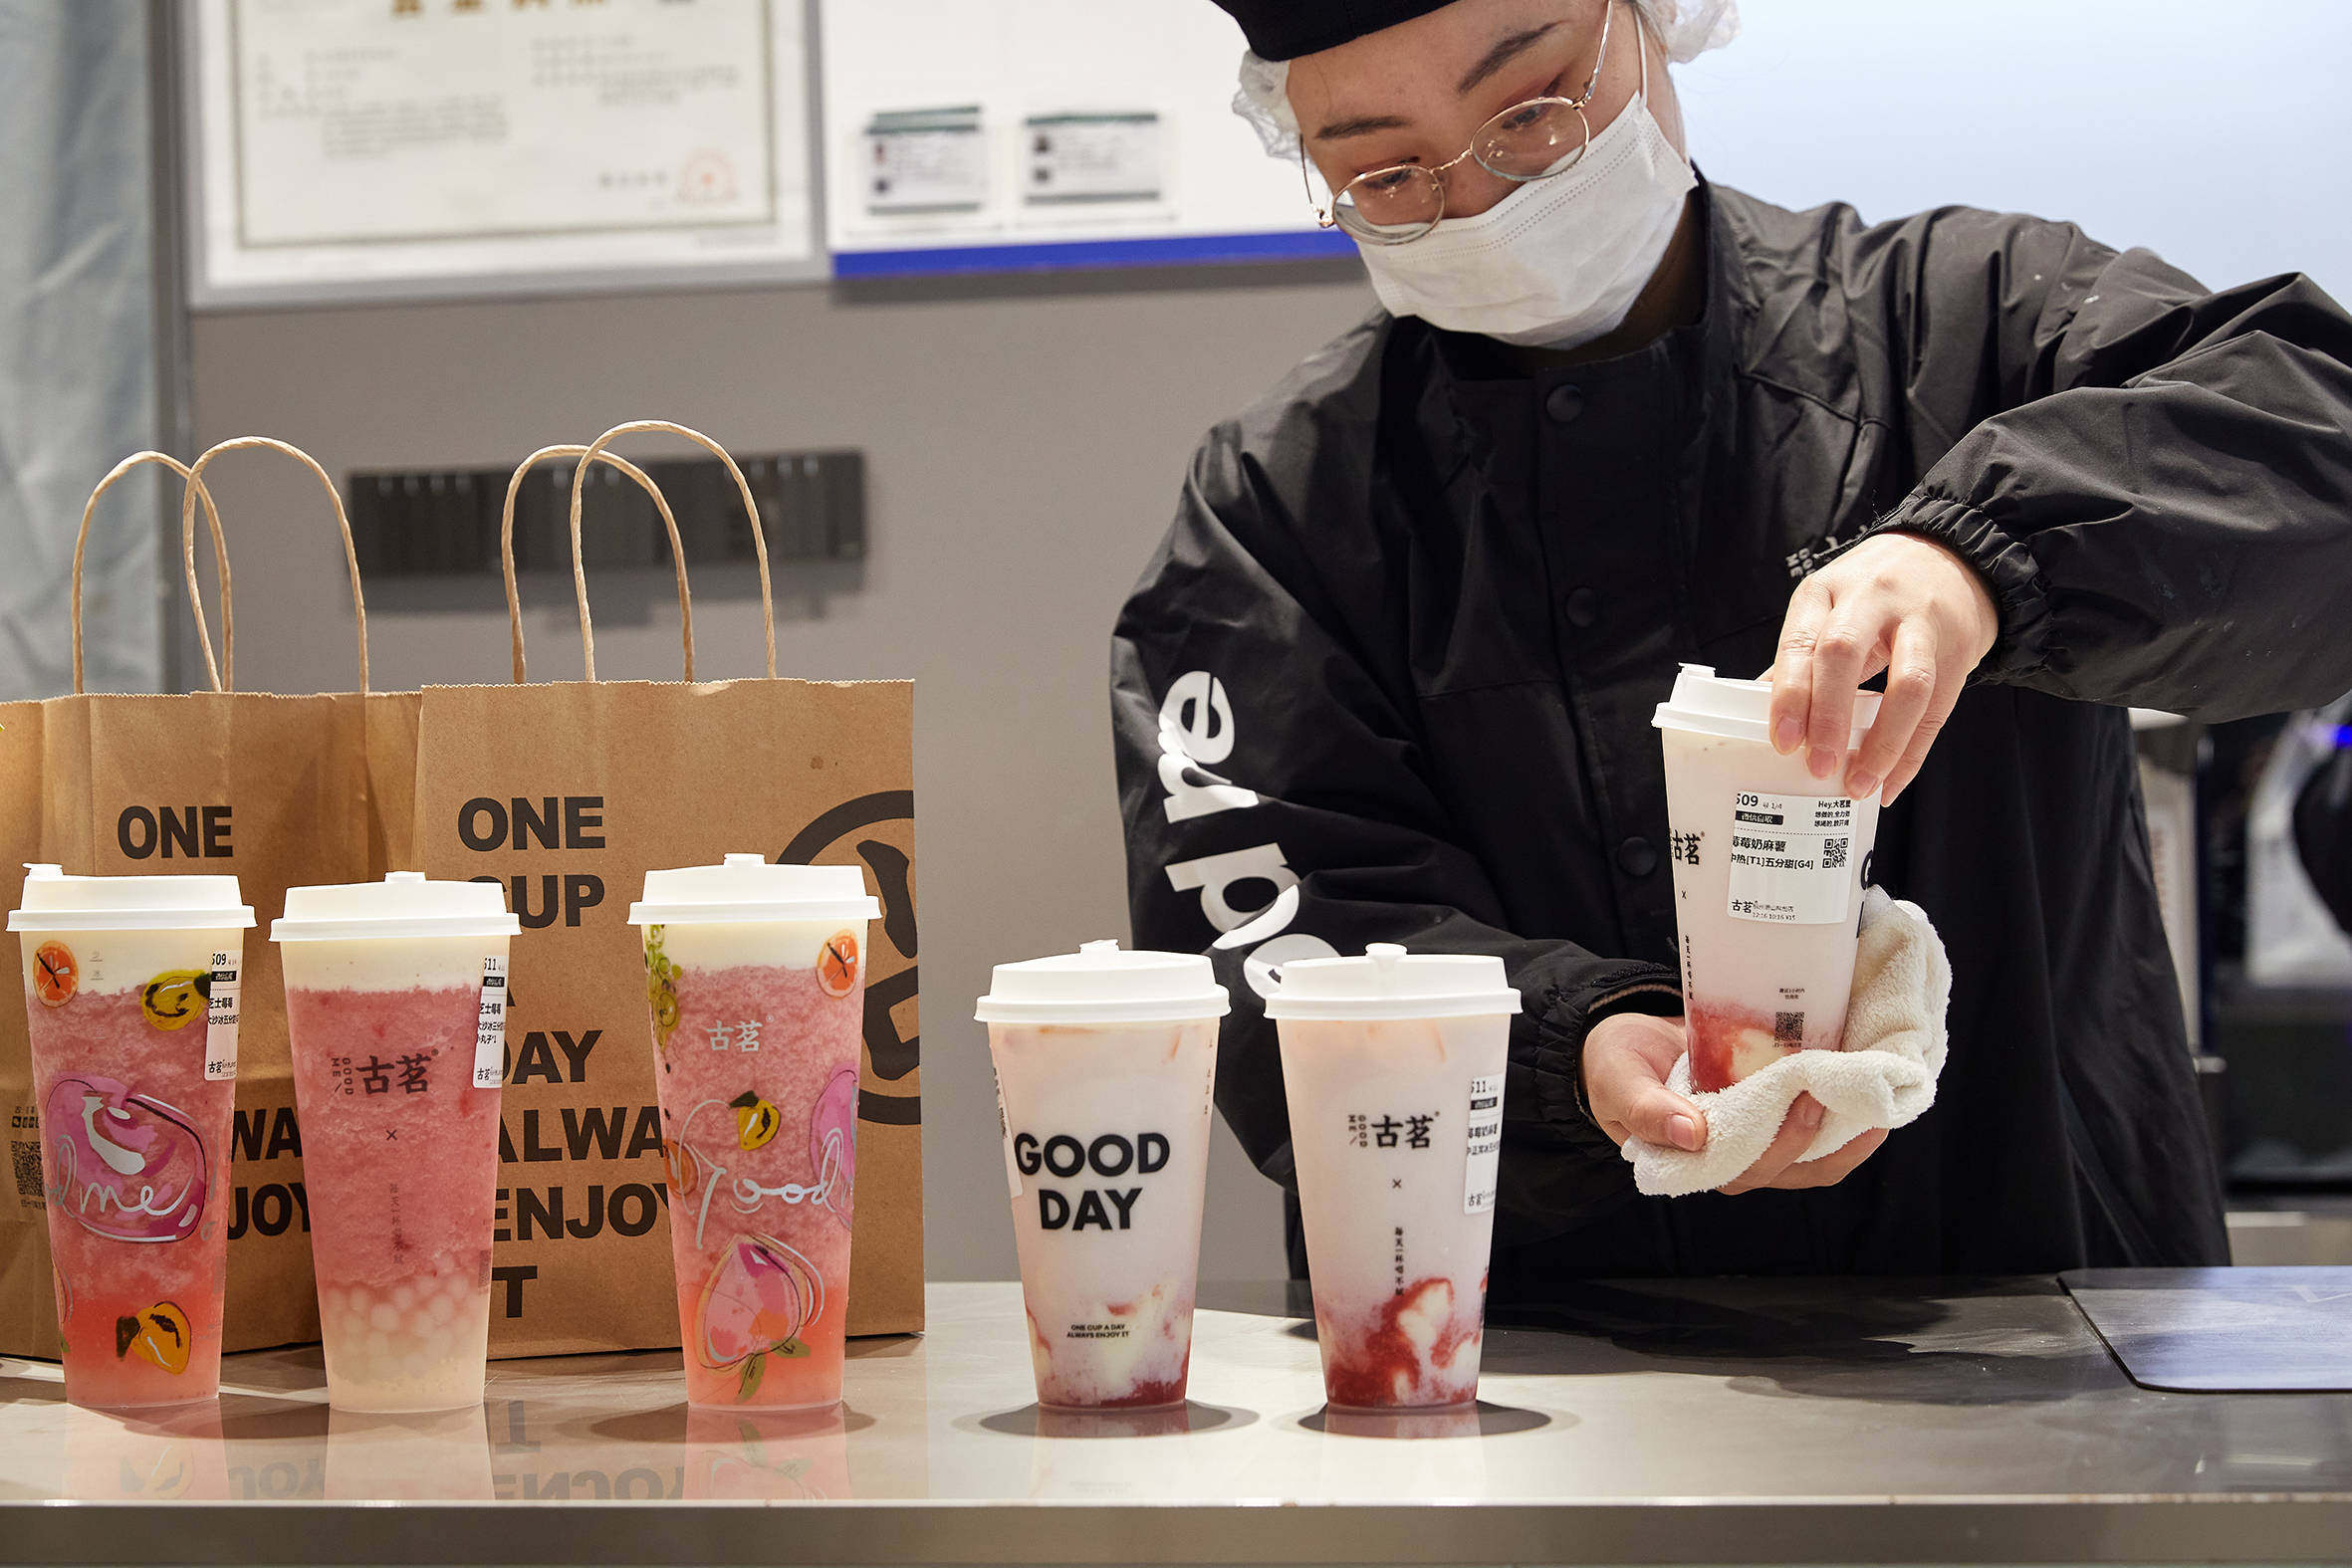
1523 144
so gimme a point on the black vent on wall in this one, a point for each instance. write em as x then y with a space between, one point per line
444 522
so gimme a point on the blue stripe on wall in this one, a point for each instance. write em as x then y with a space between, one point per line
1156 250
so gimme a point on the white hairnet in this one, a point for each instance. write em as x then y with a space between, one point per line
1687 29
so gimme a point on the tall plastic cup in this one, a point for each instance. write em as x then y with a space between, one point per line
130 997
1105 1063
395 1012
1393 1066
755 981
1769 868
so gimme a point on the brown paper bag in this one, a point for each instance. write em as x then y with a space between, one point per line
569 793
270 790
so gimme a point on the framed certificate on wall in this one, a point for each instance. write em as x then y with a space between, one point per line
376 149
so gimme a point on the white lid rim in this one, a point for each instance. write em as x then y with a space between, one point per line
1378 1010
747 914
43 920
1203 1009
395 927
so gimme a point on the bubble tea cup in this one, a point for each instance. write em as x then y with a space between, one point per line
396 1014
1105 1062
1769 868
755 981
130 1000
1393 1066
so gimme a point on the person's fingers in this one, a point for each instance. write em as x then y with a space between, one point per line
1841 663
1629 1098
1951 678
1793 666
1831 1168
1911 688
1797 1134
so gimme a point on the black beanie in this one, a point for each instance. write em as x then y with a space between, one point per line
1286 29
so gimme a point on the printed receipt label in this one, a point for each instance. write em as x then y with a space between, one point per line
1486 1145
1792 858
490 1028
1005 1132
220 1019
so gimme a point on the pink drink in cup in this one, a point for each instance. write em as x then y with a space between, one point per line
756 989
1393 1067
130 997
396 1009
1769 868
1105 1062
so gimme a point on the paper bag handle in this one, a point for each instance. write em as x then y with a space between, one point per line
351 550
220 560
751 506
506 542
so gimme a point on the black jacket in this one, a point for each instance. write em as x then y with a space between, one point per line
1390 678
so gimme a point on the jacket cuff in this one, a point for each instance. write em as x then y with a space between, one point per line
1551 1076
2020 595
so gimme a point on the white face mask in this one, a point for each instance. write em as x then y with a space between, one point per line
1558 262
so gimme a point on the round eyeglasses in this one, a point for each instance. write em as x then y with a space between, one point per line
1527 141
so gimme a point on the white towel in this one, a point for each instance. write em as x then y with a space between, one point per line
1885 1077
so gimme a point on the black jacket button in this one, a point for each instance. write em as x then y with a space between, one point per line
1635 858
1564 403
1582 608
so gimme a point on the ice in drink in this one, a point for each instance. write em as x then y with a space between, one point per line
395 1004
1393 1067
756 991
1769 868
130 1000
1105 1063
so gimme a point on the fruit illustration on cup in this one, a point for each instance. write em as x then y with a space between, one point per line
760 1295
175 997
158 1334
685 1171
126 1165
756 1120
837 964
832 1142
661 988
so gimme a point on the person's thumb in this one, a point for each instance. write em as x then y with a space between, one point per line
1629 1099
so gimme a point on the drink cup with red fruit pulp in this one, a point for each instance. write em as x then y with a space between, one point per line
395 1013
1393 1067
1769 868
131 999
755 985
1105 1062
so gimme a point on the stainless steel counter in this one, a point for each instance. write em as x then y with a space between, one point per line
1724 1422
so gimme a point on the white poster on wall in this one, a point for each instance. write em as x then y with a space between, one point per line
977 135
392 147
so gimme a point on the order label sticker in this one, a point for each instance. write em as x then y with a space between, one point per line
490 1027
1005 1130
220 1019
1486 1145
1792 858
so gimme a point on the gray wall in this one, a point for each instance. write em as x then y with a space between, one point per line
1024 452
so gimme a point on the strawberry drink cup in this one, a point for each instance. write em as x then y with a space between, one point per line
756 991
130 997
1104 1065
396 1007
1769 868
1393 1067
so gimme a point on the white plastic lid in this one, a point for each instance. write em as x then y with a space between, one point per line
751 889
403 904
1102 984
1705 703
1389 983
55 901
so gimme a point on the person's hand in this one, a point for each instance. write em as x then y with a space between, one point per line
1627 1059
1894 603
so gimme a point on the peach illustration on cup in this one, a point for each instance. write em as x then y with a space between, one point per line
832 1141
758 1298
126 1165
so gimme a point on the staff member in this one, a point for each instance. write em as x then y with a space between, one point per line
1390 676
